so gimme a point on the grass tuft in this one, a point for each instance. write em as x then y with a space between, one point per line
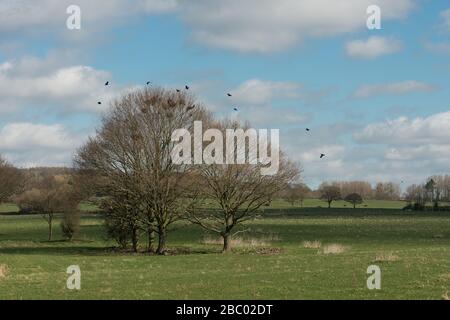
316 244
3 271
333 248
386 257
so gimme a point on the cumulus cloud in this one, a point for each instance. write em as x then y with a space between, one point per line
36 83
395 88
256 91
35 16
268 26
28 144
434 129
372 48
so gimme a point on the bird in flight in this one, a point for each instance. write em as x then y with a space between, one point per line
190 108
148 82
235 109
322 155
178 90
307 129
229 94
107 83
187 87
99 102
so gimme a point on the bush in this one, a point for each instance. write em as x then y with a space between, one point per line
70 225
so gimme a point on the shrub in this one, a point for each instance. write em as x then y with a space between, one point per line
70 225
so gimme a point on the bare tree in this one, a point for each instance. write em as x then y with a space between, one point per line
354 199
131 154
239 190
329 193
416 194
11 180
387 191
296 192
48 196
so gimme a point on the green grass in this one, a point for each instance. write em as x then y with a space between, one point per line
36 268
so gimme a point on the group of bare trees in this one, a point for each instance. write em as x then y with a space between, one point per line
436 189
129 161
294 193
40 191
381 191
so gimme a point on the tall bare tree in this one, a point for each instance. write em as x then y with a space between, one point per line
131 154
239 190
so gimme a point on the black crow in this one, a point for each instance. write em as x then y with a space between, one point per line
229 94
187 87
235 109
99 102
107 83
322 155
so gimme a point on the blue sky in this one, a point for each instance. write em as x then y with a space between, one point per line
377 101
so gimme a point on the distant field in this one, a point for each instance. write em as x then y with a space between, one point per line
413 252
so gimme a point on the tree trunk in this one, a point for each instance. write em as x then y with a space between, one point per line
354 206
151 240
50 229
226 242
161 241
329 204
134 240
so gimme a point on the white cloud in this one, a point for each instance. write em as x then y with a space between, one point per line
372 48
256 91
35 16
28 144
434 129
268 26
36 83
396 88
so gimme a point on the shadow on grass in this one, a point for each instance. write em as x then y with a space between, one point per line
98 251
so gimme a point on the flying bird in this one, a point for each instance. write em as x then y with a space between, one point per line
235 109
99 102
190 108
187 87
107 83
148 82
178 90
322 155
229 94
307 129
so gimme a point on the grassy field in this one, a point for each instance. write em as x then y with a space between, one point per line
272 262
